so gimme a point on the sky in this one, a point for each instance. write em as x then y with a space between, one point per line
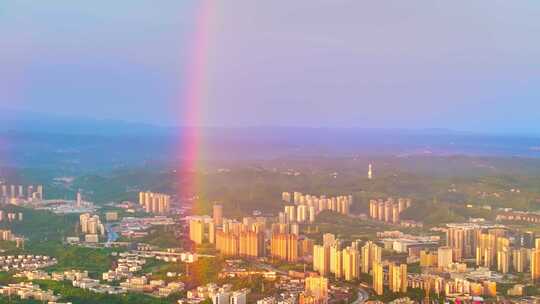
463 65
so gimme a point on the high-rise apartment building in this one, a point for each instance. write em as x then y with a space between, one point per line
388 211
251 244
305 247
198 229
284 247
336 261
462 240
371 254
486 250
218 214
90 224
428 259
351 263
535 261
211 232
503 260
290 213
158 203
397 277
78 200
40 192
228 243
304 207
378 278
444 257
321 259
520 259
302 214
8 192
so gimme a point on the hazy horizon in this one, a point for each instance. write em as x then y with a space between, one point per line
22 120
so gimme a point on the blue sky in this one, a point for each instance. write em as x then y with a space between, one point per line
465 65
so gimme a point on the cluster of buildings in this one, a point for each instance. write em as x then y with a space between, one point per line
172 255
246 238
405 300
91 227
452 288
135 227
126 265
488 246
78 278
348 263
27 291
7 235
11 216
519 216
254 237
287 244
158 288
250 237
130 263
32 275
462 285
393 275
315 291
231 237
407 243
304 207
61 206
535 262
342 262
25 262
388 211
111 216
306 290
13 193
297 214
218 295
491 247
157 203
236 269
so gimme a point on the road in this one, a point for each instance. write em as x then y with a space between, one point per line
112 236
269 268
363 296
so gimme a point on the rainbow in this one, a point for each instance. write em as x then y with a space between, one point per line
192 99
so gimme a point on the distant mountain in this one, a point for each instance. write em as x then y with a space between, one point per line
32 122
33 139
